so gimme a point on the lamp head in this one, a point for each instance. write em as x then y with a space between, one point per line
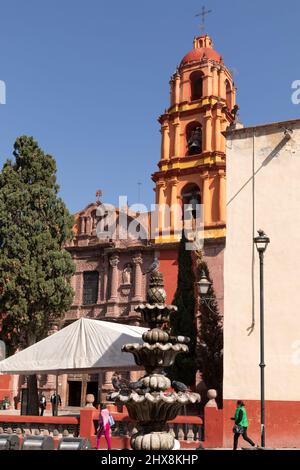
204 284
261 241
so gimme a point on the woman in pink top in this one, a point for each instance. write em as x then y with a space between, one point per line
103 427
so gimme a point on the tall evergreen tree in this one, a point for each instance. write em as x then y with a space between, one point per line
35 270
210 341
183 321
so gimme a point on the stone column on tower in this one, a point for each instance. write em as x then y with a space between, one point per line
207 131
208 82
176 137
172 91
222 89
207 199
160 201
215 81
177 88
217 133
173 204
165 141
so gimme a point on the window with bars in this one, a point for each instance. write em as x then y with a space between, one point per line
90 287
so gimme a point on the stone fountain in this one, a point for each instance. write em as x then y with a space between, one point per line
151 401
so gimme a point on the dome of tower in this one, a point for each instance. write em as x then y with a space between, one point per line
197 54
203 48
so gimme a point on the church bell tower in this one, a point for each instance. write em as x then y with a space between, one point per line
192 163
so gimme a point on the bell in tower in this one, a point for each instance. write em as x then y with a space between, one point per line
195 142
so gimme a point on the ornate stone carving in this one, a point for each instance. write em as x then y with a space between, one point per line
114 261
138 259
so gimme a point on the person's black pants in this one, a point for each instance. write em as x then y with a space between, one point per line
54 410
245 437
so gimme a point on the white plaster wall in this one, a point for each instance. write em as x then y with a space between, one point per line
270 200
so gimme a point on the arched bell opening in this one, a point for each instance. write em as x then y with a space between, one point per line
194 138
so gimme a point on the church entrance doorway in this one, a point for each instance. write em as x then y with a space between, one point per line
74 392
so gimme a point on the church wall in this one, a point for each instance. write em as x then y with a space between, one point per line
168 266
268 199
282 429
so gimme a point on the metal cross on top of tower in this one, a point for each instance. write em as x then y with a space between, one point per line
203 15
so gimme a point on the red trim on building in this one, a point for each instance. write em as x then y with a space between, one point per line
168 266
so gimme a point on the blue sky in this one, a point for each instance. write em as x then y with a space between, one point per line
88 79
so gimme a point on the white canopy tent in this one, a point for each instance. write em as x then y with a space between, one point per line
85 346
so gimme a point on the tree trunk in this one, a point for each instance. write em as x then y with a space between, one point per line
33 399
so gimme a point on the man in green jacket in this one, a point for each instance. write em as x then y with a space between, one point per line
241 425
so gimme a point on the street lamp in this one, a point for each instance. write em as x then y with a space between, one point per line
204 286
261 243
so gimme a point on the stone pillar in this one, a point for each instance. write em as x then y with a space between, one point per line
88 226
138 277
172 91
83 390
222 89
106 385
224 125
218 134
177 88
176 139
207 132
105 276
80 288
222 196
207 199
173 203
233 96
64 387
76 285
160 201
114 261
82 225
165 142
100 280
207 85
215 81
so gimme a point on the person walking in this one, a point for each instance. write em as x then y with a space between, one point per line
42 403
241 425
55 402
104 424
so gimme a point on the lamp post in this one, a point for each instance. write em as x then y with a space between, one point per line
261 243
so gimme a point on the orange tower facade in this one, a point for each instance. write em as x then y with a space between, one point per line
192 163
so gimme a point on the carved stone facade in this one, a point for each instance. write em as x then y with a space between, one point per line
119 264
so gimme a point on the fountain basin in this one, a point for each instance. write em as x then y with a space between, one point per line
155 355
